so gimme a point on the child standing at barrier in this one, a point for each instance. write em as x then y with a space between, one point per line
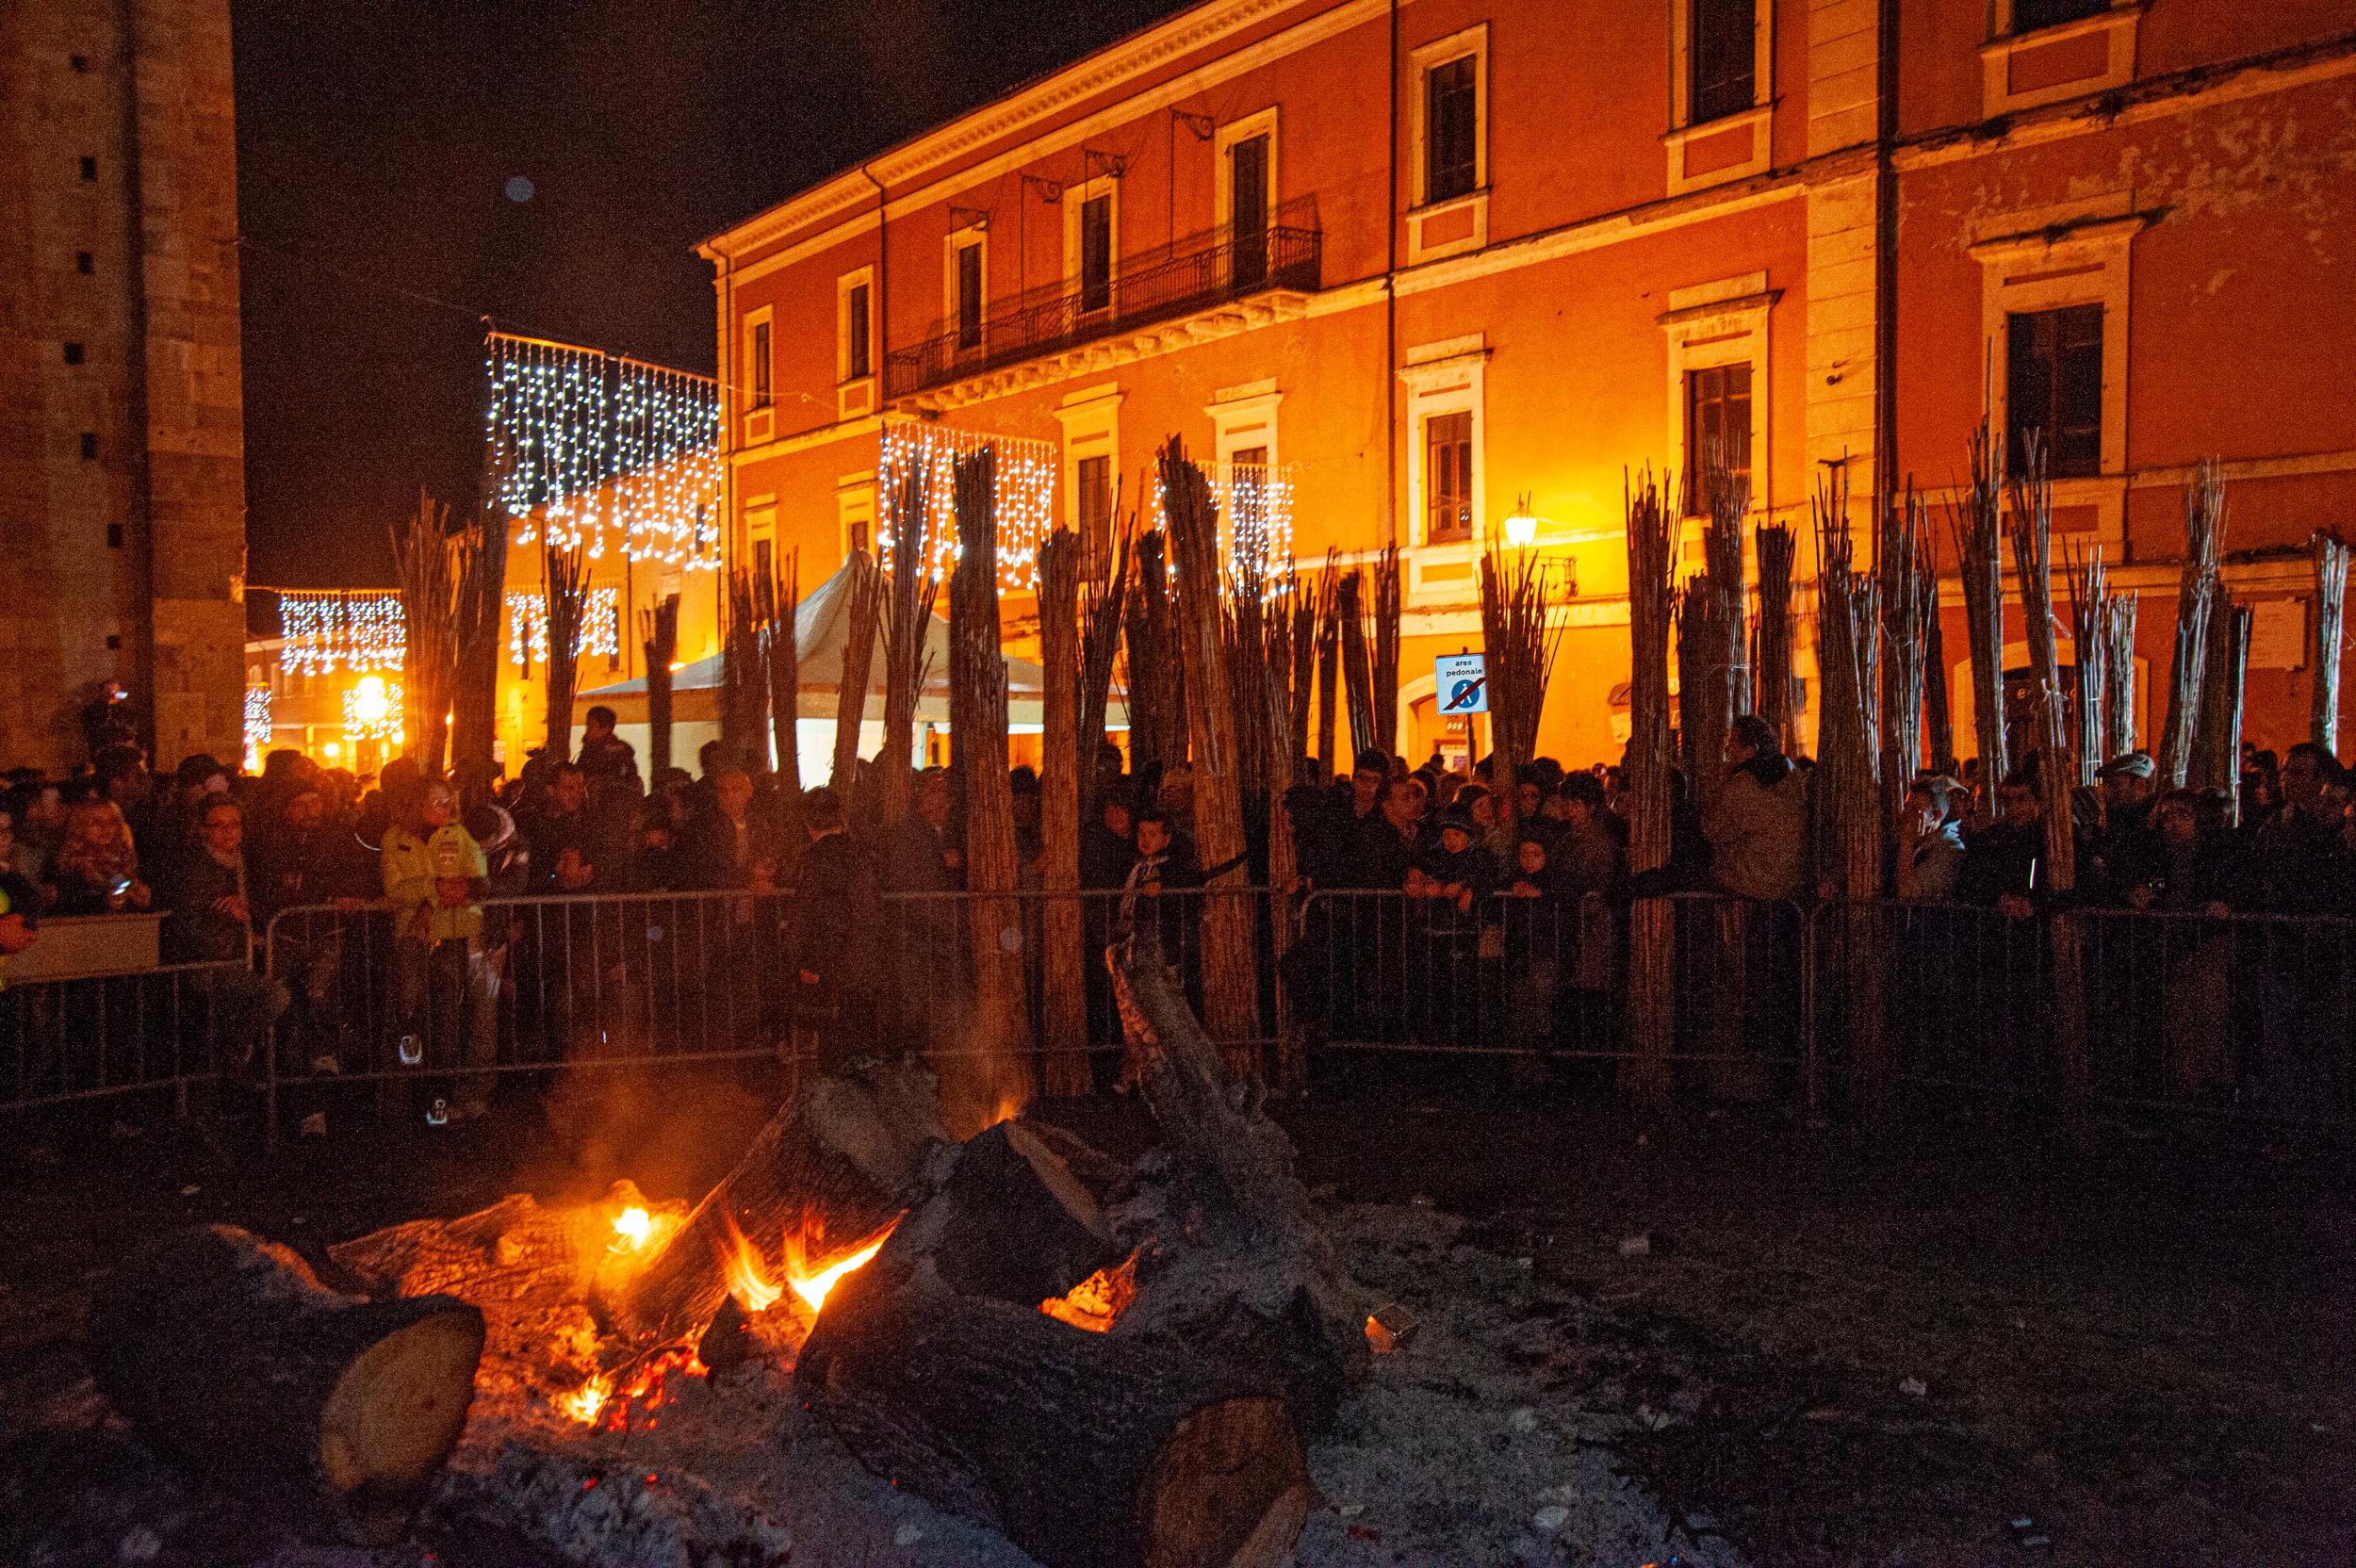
445 995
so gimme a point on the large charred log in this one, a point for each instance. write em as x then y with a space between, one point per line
226 1353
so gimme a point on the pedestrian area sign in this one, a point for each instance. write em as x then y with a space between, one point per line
1461 680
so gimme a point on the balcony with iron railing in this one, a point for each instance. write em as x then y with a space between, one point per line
1193 274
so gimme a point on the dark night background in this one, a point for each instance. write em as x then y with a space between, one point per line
374 146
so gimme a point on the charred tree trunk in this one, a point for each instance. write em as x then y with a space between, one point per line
994 1075
1231 981
842 1160
1064 1051
225 1352
1083 1450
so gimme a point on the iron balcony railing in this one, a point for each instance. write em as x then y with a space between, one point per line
1193 274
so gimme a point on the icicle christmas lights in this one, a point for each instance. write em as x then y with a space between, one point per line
528 626
257 727
1255 517
599 451
342 630
373 710
1028 472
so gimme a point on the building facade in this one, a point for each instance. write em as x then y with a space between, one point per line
122 435
1430 264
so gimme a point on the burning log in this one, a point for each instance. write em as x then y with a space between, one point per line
842 1161
1084 1450
1009 1222
228 1352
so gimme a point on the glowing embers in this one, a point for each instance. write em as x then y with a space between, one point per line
1096 1301
810 1268
607 1404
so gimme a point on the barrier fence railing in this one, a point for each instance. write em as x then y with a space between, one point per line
1835 1004
99 1036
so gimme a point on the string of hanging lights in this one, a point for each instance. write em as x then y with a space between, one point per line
356 630
528 626
1255 516
595 451
257 727
1027 474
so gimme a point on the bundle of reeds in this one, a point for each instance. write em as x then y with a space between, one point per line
1853 818
1301 626
780 592
2090 683
1349 629
1976 525
2331 619
482 573
1231 985
2031 528
1157 677
1652 931
2118 672
1103 598
1909 607
1063 997
1771 655
908 615
430 569
1383 646
1939 717
568 604
992 1073
659 635
1287 663
1243 621
1329 644
1521 647
2196 601
2215 767
863 612
743 670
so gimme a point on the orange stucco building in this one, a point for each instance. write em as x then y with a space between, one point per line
1439 262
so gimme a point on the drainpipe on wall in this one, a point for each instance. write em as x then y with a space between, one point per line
1886 273
1390 305
136 436
882 357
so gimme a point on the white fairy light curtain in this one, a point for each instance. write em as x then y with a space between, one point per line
1027 474
1255 516
341 629
528 626
257 727
596 451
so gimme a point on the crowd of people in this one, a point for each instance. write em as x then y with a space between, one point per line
1514 882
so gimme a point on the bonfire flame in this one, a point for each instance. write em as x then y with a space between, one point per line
748 1280
812 1279
631 1229
585 1402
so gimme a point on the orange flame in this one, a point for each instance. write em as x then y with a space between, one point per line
748 1282
812 1281
631 1228
1097 1300
585 1402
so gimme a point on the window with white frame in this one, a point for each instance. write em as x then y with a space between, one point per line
1721 91
965 282
854 325
1091 468
1444 415
759 359
1452 117
2044 51
855 512
1245 203
1718 358
1092 242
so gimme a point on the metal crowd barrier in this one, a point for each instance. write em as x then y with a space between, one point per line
97 1037
640 979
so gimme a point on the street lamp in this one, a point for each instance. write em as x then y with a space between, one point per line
1521 529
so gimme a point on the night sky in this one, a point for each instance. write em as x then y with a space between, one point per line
376 148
